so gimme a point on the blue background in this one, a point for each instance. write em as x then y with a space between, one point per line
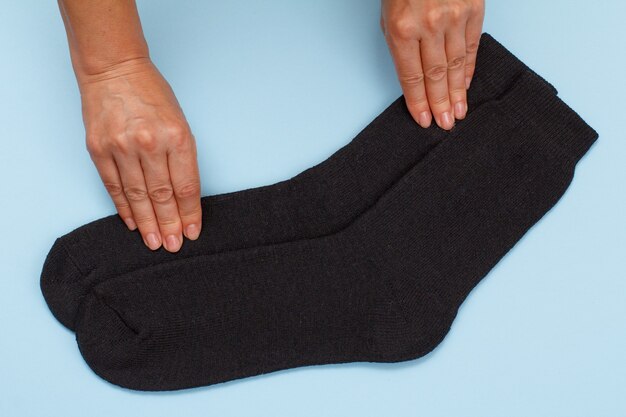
271 88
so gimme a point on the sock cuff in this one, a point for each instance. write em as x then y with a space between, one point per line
497 69
528 99
561 131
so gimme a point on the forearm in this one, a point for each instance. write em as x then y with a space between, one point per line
104 37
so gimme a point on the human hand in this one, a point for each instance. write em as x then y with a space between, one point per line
433 44
144 151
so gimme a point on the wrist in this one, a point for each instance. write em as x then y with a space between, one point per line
90 74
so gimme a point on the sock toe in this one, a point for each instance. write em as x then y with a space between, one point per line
61 282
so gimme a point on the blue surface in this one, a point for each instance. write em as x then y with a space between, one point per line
271 88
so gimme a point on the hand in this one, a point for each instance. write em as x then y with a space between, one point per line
144 151
433 44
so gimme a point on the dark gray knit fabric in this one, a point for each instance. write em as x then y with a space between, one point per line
364 257
320 200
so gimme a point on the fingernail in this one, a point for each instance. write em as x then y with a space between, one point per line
468 81
152 240
130 223
459 110
447 121
192 232
424 119
172 243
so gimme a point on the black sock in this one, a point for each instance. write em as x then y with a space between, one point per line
317 202
385 287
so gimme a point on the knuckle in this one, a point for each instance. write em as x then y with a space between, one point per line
178 135
94 148
144 222
439 101
411 79
456 63
191 189
135 193
161 194
114 189
195 213
471 47
119 143
458 93
404 28
451 12
145 139
176 130
420 103
434 19
437 72
166 222
477 6
457 12
122 206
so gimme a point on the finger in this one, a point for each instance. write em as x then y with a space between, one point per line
472 38
455 51
134 186
406 56
161 194
111 179
436 74
183 164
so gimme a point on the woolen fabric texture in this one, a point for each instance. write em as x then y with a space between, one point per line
364 257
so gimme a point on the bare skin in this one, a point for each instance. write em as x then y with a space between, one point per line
142 145
433 44
137 135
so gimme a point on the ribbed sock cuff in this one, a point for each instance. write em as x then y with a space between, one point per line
496 70
531 103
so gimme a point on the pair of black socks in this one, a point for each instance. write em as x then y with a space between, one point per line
364 257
